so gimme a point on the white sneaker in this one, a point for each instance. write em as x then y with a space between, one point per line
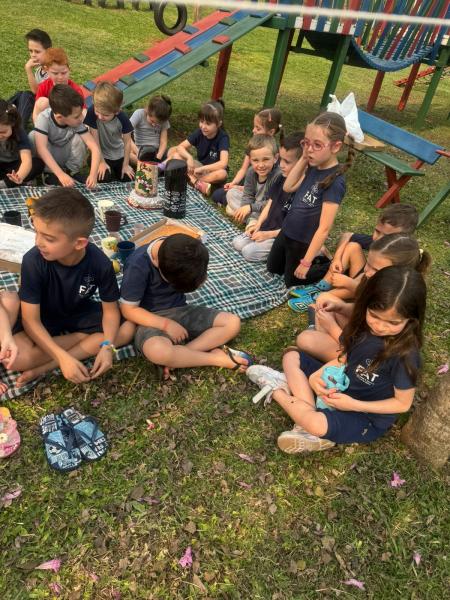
268 380
298 440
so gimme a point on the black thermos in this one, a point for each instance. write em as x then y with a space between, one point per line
175 177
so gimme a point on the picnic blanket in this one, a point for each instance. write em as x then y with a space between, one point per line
233 284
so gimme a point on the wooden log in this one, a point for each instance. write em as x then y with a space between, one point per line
427 433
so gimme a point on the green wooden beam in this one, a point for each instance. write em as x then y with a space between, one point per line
282 48
336 68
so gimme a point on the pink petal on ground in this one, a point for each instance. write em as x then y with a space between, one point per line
55 587
7 499
247 458
186 560
417 557
95 403
396 480
116 595
150 425
355 583
246 486
442 369
50 565
94 577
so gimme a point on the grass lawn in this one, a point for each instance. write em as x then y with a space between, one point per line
269 527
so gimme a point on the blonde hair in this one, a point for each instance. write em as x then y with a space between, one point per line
107 98
262 140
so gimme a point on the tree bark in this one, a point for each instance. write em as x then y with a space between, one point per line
427 433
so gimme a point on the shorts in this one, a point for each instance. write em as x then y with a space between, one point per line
87 322
348 427
195 319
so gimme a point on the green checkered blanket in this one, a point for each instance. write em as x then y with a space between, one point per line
233 284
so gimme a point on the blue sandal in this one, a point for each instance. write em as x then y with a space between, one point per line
91 441
301 305
232 353
302 291
61 448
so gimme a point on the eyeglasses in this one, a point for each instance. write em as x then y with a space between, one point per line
315 146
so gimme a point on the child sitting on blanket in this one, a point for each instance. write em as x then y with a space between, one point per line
212 144
348 260
265 122
172 333
59 277
111 129
60 137
256 242
9 309
151 125
263 153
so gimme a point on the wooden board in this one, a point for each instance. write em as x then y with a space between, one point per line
369 143
164 228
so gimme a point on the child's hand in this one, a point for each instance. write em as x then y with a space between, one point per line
339 280
318 385
91 181
66 180
336 266
228 186
31 62
250 229
74 370
200 171
128 171
190 166
176 332
15 177
259 236
301 271
8 351
242 213
103 362
325 320
103 168
340 401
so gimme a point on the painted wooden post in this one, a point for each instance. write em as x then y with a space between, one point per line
375 91
441 63
282 48
336 68
221 72
408 86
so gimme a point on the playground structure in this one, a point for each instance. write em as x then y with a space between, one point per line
379 45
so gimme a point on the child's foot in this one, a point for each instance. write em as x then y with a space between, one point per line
3 387
26 376
203 187
268 380
236 360
298 440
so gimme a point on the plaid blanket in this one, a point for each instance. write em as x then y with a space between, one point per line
233 284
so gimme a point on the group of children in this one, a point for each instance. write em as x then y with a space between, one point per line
366 314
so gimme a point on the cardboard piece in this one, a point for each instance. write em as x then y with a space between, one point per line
14 243
164 228
369 143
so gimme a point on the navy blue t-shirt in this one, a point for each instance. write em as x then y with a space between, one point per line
65 291
10 149
376 385
303 218
281 203
362 239
208 151
142 284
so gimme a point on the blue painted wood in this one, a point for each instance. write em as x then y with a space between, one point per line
190 29
169 71
359 27
321 21
399 138
90 85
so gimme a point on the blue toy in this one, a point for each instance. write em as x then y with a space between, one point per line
333 377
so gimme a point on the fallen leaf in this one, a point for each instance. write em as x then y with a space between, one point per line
355 583
198 583
417 557
137 493
318 491
442 369
246 486
186 560
247 458
396 480
7 499
150 424
94 577
272 509
191 527
187 466
96 402
55 587
50 565
116 595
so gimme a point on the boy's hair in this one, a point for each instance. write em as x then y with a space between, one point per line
54 56
403 289
9 115
402 250
271 120
403 216
160 106
183 261
63 99
292 142
261 140
39 36
212 112
335 129
69 208
107 98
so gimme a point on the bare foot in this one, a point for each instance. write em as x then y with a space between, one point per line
229 363
3 387
25 377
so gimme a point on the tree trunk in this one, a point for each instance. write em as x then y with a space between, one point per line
427 433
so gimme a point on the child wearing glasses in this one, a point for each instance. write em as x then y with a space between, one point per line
319 186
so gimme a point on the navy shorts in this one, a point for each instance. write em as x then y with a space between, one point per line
347 427
195 319
88 322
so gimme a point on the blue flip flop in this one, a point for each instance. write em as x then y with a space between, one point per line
232 353
314 288
299 305
61 448
91 441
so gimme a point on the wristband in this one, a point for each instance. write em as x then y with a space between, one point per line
305 263
107 344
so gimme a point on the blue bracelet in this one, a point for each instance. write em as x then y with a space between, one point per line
109 345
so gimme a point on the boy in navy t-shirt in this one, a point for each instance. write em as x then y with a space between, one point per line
59 277
111 128
170 332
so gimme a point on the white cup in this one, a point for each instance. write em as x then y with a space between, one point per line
103 206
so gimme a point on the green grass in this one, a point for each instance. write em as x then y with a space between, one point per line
280 527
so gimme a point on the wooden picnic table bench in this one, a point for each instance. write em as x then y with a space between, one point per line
398 171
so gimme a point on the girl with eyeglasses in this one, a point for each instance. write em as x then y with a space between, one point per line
318 182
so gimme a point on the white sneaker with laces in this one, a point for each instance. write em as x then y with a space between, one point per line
297 440
268 380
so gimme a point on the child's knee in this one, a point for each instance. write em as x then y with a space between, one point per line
304 339
230 321
158 350
291 360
